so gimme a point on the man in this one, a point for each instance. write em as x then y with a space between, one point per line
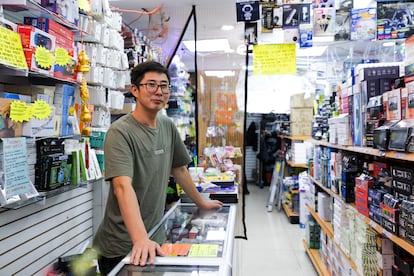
142 149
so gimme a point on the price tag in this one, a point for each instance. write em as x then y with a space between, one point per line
400 155
386 233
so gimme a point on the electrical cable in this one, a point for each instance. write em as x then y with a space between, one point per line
246 76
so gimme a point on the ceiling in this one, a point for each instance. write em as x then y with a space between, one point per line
210 16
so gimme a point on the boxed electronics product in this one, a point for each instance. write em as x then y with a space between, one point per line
68 9
401 136
392 104
394 19
407 101
382 135
39 49
41 127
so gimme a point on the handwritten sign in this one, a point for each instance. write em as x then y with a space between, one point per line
203 250
16 178
11 50
274 59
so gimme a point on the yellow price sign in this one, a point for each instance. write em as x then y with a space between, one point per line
62 57
41 109
274 59
18 111
43 57
11 50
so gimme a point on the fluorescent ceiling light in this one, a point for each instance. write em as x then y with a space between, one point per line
208 45
315 51
227 27
220 73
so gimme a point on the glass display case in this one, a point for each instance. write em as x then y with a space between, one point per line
196 243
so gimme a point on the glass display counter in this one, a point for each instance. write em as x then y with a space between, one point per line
196 243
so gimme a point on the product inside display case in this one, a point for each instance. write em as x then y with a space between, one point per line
196 242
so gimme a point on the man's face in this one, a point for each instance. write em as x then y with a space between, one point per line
153 91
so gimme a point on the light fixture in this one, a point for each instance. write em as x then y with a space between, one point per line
220 73
208 45
227 27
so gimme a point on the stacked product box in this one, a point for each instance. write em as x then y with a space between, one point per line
69 10
54 167
63 99
65 63
339 132
406 221
385 255
301 115
38 48
340 219
362 184
371 80
313 234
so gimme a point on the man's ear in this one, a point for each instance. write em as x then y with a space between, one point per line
134 90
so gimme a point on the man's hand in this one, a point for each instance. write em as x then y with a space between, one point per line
211 205
144 251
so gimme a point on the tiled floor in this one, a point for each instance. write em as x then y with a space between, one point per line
273 246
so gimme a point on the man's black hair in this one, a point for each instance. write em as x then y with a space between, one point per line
138 72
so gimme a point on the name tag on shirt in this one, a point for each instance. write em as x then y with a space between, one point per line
158 152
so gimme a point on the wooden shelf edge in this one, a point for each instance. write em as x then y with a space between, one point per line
405 156
326 226
296 138
296 165
288 211
316 260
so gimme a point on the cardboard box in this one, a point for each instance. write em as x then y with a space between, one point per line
38 48
301 114
8 127
298 100
41 128
67 9
50 26
392 104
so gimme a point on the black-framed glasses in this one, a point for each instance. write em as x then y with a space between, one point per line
152 87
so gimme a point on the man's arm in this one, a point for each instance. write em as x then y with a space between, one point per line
183 178
143 247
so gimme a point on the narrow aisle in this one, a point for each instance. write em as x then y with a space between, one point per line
274 246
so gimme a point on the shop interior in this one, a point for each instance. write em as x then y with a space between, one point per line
236 120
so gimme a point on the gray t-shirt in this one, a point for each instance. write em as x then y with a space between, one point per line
147 156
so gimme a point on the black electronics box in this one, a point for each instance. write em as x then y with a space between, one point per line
402 174
381 72
401 136
382 135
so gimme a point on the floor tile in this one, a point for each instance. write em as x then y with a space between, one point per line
273 246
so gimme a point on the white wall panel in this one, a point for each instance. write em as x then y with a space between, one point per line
34 236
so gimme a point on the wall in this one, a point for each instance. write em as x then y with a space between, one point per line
34 236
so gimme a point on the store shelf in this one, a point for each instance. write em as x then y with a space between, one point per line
316 260
328 230
397 240
295 138
326 226
296 165
403 156
292 216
